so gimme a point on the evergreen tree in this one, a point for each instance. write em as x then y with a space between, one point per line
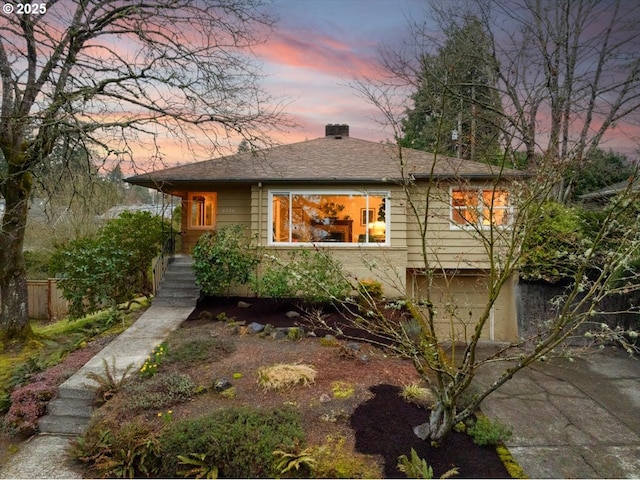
456 91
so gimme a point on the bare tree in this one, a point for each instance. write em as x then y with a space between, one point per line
569 73
114 73
445 360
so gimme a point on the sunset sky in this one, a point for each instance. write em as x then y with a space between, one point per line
318 47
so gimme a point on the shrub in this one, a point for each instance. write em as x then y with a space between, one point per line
486 432
551 246
28 403
285 375
313 275
126 451
161 391
111 268
223 257
239 441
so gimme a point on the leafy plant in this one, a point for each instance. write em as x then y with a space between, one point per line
153 361
285 375
334 460
239 441
314 276
223 257
416 467
198 466
132 450
300 461
109 383
486 432
95 273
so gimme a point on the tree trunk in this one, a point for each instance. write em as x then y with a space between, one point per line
14 317
439 425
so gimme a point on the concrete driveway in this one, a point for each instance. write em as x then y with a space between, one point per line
575 418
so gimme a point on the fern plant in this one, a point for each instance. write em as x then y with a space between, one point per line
109 383
287 462
417 467
198 466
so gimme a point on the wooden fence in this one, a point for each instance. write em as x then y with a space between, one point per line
45 300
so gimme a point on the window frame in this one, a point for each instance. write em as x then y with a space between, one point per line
479 223
290 192
213 199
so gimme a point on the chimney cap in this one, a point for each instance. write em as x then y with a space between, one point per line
336 130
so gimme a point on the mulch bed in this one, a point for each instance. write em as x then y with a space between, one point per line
384 424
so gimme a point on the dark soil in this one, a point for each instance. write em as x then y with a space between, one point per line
383 424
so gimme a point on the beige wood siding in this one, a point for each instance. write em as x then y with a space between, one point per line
459 302
447 246
233 206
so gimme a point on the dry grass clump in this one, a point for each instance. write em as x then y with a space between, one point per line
285 375
417 394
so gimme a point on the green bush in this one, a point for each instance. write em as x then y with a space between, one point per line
239 441
312 275
223 257
111 268
553 242
486 432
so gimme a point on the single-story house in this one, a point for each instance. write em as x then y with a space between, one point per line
350 197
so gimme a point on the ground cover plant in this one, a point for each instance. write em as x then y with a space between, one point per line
31 372
350 422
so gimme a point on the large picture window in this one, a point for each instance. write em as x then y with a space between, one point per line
202 210
481 208
330 217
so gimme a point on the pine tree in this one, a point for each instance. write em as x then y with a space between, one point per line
456 91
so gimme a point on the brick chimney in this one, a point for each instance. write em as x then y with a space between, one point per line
336 130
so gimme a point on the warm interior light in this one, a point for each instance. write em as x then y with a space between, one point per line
377 228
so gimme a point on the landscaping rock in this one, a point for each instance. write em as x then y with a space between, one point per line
280 333
255 327
242 304
353 346
324 398
292 314
221 384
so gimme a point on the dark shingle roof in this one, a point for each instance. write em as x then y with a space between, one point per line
325 159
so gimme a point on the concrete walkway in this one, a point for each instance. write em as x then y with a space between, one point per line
572 419
43 456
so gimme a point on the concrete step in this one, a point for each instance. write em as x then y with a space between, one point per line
72 407
177 291
175 301
76 393
65 425
179 276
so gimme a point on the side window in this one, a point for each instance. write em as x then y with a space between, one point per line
481 208
202 210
